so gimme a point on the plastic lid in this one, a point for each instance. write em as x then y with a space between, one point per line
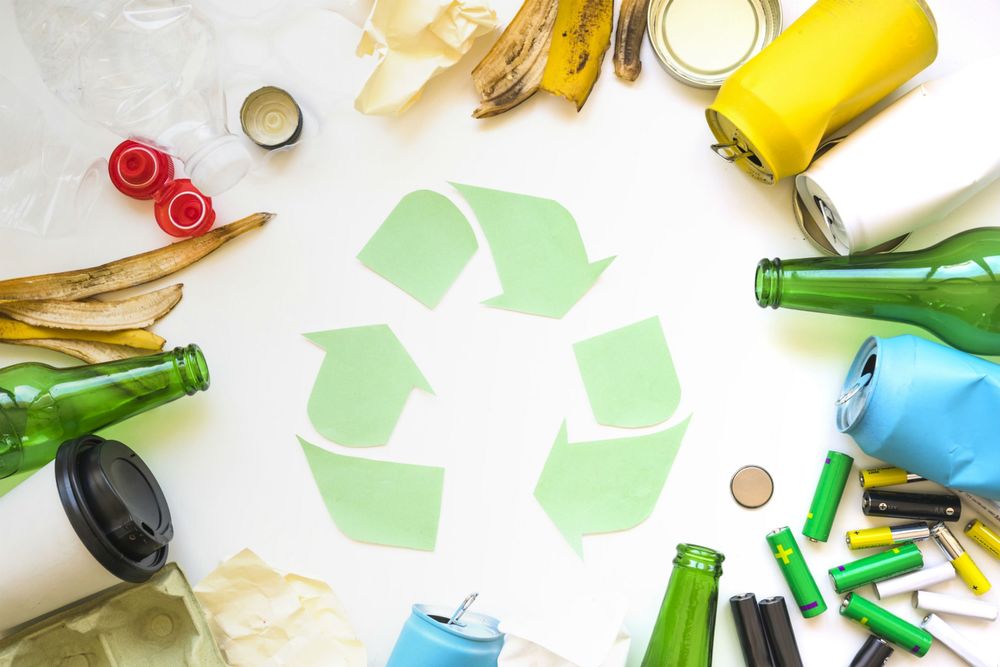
219 166
181 210
115 505
139 171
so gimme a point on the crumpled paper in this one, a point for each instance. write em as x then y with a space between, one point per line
263 618
416 40
521 652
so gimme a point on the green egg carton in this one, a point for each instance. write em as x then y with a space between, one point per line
155 624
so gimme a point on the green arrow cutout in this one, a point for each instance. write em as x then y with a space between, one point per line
537 249
362 386
605 485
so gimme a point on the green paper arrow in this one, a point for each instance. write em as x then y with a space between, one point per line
362 386
537 249
380 502
605 485
422 246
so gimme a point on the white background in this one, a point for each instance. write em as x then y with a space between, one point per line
687 228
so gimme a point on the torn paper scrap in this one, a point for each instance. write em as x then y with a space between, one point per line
416 40
264 618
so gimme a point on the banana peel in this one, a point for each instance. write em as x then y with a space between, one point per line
512 70
580 38
88 351
136 312
632 18
140 338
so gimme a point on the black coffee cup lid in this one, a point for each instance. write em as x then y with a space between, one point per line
115 505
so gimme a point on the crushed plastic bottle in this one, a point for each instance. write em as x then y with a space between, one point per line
46 186
145 69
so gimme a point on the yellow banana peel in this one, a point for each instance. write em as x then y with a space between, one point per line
580 38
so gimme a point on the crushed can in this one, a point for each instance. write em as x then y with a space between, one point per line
432 637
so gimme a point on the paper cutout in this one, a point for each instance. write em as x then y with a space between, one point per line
261 617
362 386
605 485
416 40
381 502
629 375
537 249
422 246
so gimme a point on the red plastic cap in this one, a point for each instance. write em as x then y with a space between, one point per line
182 210
139 171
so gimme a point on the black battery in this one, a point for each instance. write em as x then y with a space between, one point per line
923 506
750 629
779 633
874 652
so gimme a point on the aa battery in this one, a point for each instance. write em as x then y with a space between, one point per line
948 604
875 652
887 536
887 625
959 645
984 537
796 572
877 567
778 629
873 478
960 559
915 581
750 629
826 498
920 506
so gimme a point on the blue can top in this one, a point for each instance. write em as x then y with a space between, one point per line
473 626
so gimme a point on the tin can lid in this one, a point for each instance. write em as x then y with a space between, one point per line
751 486
859 385
702 42
474 626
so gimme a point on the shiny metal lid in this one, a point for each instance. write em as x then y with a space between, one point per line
701 42
751 486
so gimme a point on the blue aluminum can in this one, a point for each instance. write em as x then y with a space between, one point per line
427 641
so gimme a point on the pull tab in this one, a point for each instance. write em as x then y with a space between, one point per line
462 608
731 152
855 388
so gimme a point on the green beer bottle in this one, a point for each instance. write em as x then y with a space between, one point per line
41 407
951 289
685 626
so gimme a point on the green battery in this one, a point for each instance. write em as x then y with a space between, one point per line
826 499
886 625
793 565
899 560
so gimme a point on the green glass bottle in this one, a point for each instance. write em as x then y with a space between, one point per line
685 626
951 289
41 407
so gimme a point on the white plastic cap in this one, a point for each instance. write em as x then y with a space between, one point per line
218 166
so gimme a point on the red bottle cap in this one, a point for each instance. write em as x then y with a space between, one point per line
182 210
139 171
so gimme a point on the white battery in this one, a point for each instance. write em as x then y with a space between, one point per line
909 166
915 581
948 604
959 645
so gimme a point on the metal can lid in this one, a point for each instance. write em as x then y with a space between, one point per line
474 627
701 42
751 486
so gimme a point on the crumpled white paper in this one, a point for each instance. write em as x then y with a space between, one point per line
416 40
263 618
582 631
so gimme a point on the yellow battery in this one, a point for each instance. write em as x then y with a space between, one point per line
837 60
971 574
870 537
985 537
873 478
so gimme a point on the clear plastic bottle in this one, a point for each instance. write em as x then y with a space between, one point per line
145 69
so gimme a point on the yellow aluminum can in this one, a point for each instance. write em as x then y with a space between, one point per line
837 60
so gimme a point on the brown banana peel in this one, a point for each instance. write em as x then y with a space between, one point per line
632 18
512 70
11 330
580 38
128 272
88 351
136 312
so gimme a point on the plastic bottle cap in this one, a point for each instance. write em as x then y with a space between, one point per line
219 166
139 171
181 210
115 506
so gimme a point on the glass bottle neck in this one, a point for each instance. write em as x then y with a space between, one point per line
694 557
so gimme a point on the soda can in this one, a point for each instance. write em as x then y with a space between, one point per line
837 60
428 639
887 536
887 625
878 567
984 537
826 499
876 184
796 572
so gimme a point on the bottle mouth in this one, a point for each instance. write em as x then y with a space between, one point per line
193 368
698 557
767 283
